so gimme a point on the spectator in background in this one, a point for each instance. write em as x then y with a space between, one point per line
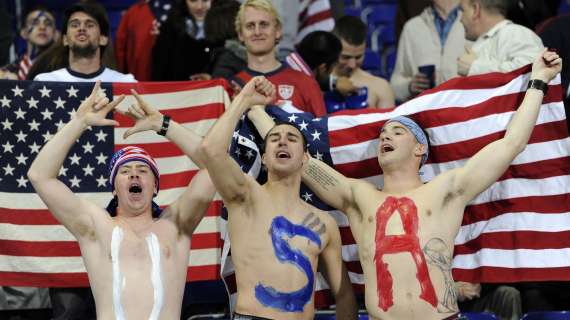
229 56
352 34
259 27
38 29
85 37
320 51
135 39
500 45
435 37
61 55
406 10
180 51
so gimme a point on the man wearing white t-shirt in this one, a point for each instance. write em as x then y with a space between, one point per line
86 34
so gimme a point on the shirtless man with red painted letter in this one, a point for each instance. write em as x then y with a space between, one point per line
405 232
136 256
277 239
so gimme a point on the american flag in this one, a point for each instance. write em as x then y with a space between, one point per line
516 230
35 250
314 15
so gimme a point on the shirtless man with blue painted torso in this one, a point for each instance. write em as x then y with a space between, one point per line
277 239
137 257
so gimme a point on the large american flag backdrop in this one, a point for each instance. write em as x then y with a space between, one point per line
35 250
517 230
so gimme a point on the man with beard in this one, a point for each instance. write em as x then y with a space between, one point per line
38 29
86 34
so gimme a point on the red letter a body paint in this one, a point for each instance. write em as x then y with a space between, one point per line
407 242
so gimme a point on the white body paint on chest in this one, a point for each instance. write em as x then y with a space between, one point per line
119 281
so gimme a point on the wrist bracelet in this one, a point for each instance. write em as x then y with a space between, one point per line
165 125
539 85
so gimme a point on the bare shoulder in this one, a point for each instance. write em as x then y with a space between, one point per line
442 187
369 79
101 223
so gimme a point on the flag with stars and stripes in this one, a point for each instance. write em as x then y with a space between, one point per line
516 230
35 250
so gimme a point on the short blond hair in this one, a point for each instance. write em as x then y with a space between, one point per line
264 5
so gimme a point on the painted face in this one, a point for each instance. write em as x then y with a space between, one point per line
284 150
39 29
259 31
84 34
350 58
397 143
467 13
198 8
135 186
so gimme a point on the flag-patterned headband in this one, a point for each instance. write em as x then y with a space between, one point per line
416 131
129 154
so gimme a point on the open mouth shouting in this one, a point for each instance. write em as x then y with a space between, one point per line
135 188
283 155
386 147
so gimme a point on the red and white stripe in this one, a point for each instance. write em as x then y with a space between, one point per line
35 250
314 15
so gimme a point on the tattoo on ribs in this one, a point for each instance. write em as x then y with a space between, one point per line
321 176
439 255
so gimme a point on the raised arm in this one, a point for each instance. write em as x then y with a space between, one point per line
74 213
487 165
149 118
329 185
189 208
232 184
337 275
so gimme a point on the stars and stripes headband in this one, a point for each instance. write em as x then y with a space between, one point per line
129 154
416 130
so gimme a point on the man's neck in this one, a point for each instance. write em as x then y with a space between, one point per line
265 63
85 65
444 7
138 223
284 189
401 180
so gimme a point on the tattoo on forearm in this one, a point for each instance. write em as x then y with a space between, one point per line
314 223
321 176
438 254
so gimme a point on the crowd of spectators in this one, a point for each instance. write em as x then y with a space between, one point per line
322 73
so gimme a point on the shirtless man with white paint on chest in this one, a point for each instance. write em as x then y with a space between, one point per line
405 232
136 256
277 239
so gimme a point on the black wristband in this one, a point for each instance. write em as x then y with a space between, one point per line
165 125
539 85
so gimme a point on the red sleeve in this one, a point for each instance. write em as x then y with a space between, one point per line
121 42
314 97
